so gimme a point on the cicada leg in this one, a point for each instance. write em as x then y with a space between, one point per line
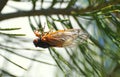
37 33
50 31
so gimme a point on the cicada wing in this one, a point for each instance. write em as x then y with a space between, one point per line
62 38
77 36
66 37
58 42
83 37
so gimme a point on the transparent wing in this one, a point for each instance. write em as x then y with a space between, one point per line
66 37
78 37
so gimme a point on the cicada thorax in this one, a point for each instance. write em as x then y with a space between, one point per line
40 41
53 39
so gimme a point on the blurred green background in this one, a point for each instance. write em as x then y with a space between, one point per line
99 56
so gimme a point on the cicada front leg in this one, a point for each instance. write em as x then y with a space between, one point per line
37 33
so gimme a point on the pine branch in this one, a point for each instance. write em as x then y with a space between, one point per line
38 12
52 11
2 4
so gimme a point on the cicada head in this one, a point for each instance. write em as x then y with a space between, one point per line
39 43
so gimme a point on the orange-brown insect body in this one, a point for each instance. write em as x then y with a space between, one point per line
60 38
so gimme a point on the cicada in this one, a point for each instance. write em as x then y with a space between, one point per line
59 38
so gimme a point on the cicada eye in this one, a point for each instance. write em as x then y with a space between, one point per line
35 41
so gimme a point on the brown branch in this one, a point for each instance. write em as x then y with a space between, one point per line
2 4
67 11
37 12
